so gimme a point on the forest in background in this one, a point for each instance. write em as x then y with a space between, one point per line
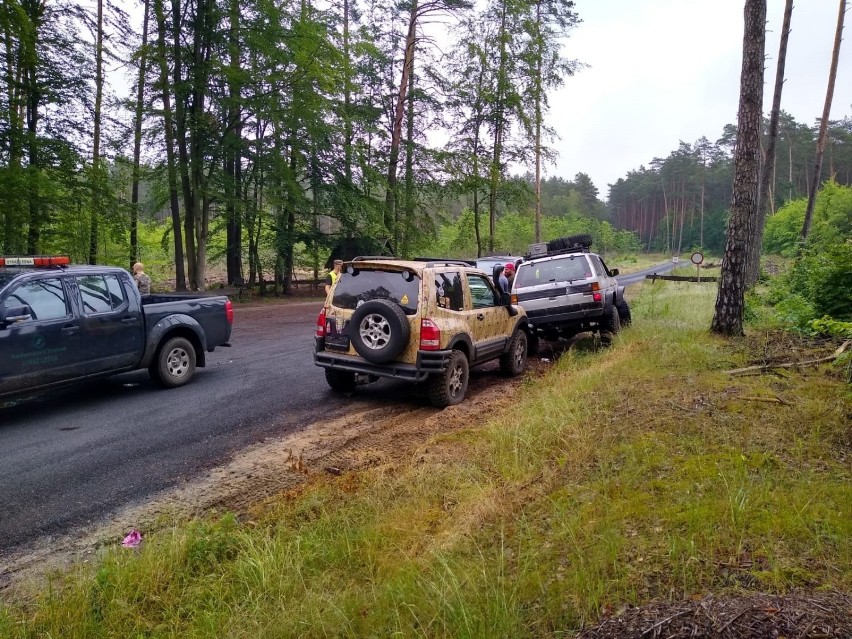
260 134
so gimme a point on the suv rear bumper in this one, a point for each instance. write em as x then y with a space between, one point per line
563 314
428 363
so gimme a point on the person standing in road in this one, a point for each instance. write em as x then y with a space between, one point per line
143 282
332 276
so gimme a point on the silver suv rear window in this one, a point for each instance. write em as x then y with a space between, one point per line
560 270
363 285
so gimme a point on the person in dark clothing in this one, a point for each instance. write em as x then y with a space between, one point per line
509 272
501 284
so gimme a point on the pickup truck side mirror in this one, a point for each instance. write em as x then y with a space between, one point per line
12 314
614 272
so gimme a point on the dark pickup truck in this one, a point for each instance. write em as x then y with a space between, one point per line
63 325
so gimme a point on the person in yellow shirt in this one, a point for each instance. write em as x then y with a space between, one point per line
332 276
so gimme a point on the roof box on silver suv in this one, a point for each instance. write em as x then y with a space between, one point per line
580 243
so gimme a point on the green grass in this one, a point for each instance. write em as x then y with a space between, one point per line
635 473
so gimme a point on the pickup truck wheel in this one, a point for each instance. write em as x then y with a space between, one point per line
513 361
624 313
379 330
175 363
449 387
340 381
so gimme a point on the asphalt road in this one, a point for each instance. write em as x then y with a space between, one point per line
659 269
70 458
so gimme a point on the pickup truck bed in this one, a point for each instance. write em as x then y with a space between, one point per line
64 325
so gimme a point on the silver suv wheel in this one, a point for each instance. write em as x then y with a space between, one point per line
375 331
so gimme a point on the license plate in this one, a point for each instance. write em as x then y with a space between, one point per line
334 339
337 343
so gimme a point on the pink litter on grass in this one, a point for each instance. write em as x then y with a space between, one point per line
133 539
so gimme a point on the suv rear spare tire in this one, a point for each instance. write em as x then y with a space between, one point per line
379 330
449 387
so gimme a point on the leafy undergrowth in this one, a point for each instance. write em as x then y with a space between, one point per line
638 474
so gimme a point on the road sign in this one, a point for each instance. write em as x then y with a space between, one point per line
697 257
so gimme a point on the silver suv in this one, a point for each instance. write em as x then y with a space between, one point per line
566 289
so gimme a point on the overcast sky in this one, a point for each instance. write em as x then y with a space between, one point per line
661 71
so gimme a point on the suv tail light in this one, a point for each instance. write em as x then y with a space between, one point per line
595 295
430 335
229 312
321 323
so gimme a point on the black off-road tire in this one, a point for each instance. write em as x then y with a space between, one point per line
610 325
581 240
379 330
513 362
340 381
533 344
624 313
174 364
449 387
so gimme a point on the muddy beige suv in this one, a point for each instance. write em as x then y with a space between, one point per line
425 321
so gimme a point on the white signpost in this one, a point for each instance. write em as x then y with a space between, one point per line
697 258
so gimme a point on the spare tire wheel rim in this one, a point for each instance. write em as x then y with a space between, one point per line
455 383
177 362
375 331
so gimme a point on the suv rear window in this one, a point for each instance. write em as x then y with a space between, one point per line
363 285
560 270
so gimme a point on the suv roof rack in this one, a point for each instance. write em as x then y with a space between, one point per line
435 261
573 249
364 258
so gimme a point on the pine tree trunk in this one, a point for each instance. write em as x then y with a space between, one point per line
499 124
33 101
169 139
396 129
347 99
538 98
202 35
405 230
183 154
95 183
823 124
768 171
137 139
233 161
12 215
730 300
